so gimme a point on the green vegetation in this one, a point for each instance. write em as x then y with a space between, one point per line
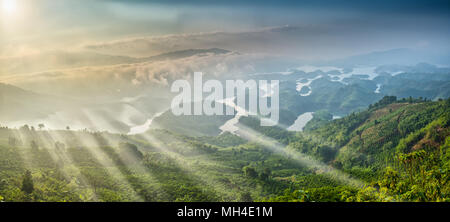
397 149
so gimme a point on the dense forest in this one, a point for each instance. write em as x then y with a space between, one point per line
396 150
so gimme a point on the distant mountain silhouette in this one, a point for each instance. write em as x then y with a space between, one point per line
399 56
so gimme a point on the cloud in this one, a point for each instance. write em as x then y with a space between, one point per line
337 39
115 80
298 41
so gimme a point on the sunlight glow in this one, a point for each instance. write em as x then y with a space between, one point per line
306 160
93 146
187 166
9 6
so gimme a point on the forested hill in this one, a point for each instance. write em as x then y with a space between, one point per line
396 150
400 147
372 138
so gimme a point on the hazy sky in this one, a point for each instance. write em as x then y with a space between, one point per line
332 26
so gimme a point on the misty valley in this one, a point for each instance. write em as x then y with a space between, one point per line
352 141
224 101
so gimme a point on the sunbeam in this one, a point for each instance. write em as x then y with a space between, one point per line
187 166
91 145
303 159
61 154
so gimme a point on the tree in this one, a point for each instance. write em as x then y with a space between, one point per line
263 176
59 145
27 183
25 128
250 172
12 141
245 197
41 126
267 171
34 145
130 150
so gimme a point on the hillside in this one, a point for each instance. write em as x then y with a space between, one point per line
407 138
19 107
369 138
398 149
16 103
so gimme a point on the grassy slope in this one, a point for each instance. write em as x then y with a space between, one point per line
91 166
